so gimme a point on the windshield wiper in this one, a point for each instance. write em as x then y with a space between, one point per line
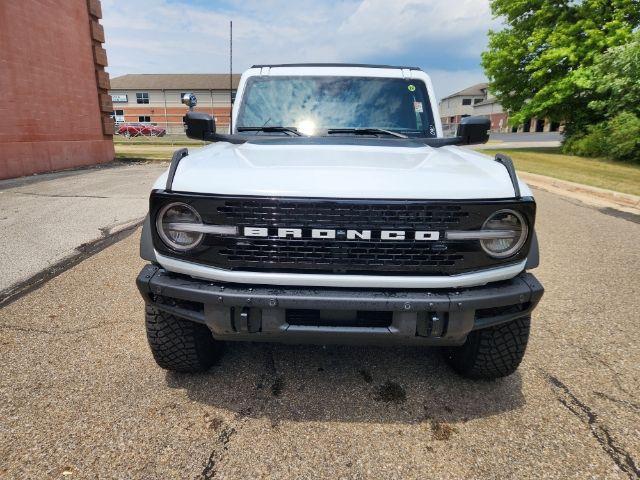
365 131
291 130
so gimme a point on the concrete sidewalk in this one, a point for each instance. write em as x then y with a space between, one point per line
48 218
593 196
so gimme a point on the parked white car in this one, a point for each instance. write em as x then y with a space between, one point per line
336 211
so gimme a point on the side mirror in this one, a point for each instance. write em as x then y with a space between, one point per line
200 126
473 130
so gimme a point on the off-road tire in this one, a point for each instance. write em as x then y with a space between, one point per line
180 345
492 352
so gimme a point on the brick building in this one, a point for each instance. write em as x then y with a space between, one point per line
460 104
55 109
156 98
477 101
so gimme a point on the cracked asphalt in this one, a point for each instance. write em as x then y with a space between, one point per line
47 219
80 395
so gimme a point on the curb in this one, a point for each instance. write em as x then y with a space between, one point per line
598 197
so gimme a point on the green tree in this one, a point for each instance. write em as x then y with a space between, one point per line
614 80
538 64
614 84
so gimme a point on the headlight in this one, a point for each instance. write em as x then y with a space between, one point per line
510 232
175 223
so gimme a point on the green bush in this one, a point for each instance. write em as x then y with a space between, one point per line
618 138
624 137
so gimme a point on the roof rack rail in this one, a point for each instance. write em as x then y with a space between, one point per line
362 65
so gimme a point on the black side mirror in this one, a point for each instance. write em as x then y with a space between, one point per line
200 126
473 130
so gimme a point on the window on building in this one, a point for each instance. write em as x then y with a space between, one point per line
465 101
452 119
477 100
142 97
144 119
118 116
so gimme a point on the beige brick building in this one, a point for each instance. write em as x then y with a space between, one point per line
477 101
156 98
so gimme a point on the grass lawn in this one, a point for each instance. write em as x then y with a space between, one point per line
145 152
166 140
597 172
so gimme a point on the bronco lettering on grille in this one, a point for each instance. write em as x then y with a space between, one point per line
329 233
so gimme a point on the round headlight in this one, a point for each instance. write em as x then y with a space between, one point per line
174 224
510 233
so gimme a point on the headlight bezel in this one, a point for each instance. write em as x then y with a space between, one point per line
520 243
165 238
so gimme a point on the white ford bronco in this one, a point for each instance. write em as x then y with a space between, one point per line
335 211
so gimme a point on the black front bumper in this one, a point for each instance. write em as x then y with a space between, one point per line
262 313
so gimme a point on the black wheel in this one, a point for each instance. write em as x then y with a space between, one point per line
492 352
178 344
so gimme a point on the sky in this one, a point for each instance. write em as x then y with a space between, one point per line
443 37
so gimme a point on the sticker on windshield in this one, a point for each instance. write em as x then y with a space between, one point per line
418 107
412 88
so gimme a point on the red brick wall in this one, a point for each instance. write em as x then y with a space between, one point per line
494 117
51 67
495 122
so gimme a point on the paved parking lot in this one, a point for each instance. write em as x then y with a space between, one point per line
81 397
49 220
521 140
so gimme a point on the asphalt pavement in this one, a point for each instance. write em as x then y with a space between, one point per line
80 395
518 137
521 140
49 220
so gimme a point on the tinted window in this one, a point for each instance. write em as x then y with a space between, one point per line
337 102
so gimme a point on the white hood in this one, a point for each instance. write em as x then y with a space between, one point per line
342 171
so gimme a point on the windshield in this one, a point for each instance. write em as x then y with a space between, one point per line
314 105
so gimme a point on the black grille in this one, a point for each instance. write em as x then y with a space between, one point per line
341 255
345 254
260 213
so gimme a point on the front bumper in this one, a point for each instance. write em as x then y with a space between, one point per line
415 317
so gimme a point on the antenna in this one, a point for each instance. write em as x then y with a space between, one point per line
231 76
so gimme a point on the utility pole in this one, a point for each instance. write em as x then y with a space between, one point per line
231 76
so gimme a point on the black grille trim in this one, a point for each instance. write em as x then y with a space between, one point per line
342 256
